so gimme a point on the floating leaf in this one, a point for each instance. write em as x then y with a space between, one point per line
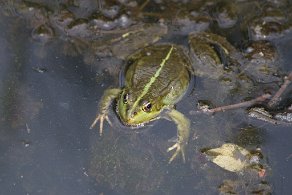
230 157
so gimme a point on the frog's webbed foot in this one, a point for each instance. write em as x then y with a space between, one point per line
105 102
179 149
183 133
100 117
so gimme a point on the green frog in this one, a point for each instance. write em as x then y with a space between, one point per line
156 78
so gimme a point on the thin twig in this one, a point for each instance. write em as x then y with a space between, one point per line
276 97
240 105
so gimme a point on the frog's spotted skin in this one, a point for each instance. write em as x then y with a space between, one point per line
130 115
156 78
153 81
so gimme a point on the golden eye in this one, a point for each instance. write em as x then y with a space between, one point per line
147 107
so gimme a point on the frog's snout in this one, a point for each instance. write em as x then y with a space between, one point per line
131 115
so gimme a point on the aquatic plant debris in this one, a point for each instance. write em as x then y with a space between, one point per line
230 157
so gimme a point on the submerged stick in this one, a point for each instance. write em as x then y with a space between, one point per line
240 105
276 97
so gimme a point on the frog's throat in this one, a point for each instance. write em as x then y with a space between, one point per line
152 79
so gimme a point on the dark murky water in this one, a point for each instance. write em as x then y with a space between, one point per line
49 98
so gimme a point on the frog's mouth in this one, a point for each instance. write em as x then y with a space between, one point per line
128 123
130 128
138 125
133 126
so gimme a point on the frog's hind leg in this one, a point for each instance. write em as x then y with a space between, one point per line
183 133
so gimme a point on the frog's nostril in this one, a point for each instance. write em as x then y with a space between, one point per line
135 113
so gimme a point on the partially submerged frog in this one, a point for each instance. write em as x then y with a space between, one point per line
156 78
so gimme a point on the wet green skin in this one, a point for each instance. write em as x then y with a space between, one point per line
156 78
159 75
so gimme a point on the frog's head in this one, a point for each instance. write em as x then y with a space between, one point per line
135 111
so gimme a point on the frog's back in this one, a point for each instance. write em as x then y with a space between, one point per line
160 72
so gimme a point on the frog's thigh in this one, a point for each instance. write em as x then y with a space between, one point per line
183 131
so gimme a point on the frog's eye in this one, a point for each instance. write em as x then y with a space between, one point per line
147 107
125 98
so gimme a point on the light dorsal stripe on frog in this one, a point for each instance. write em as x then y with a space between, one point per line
152 79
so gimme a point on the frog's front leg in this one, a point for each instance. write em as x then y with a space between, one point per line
183 133
103 108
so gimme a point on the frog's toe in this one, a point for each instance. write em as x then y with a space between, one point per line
108 120
94 122
101 117
179 149
101 125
